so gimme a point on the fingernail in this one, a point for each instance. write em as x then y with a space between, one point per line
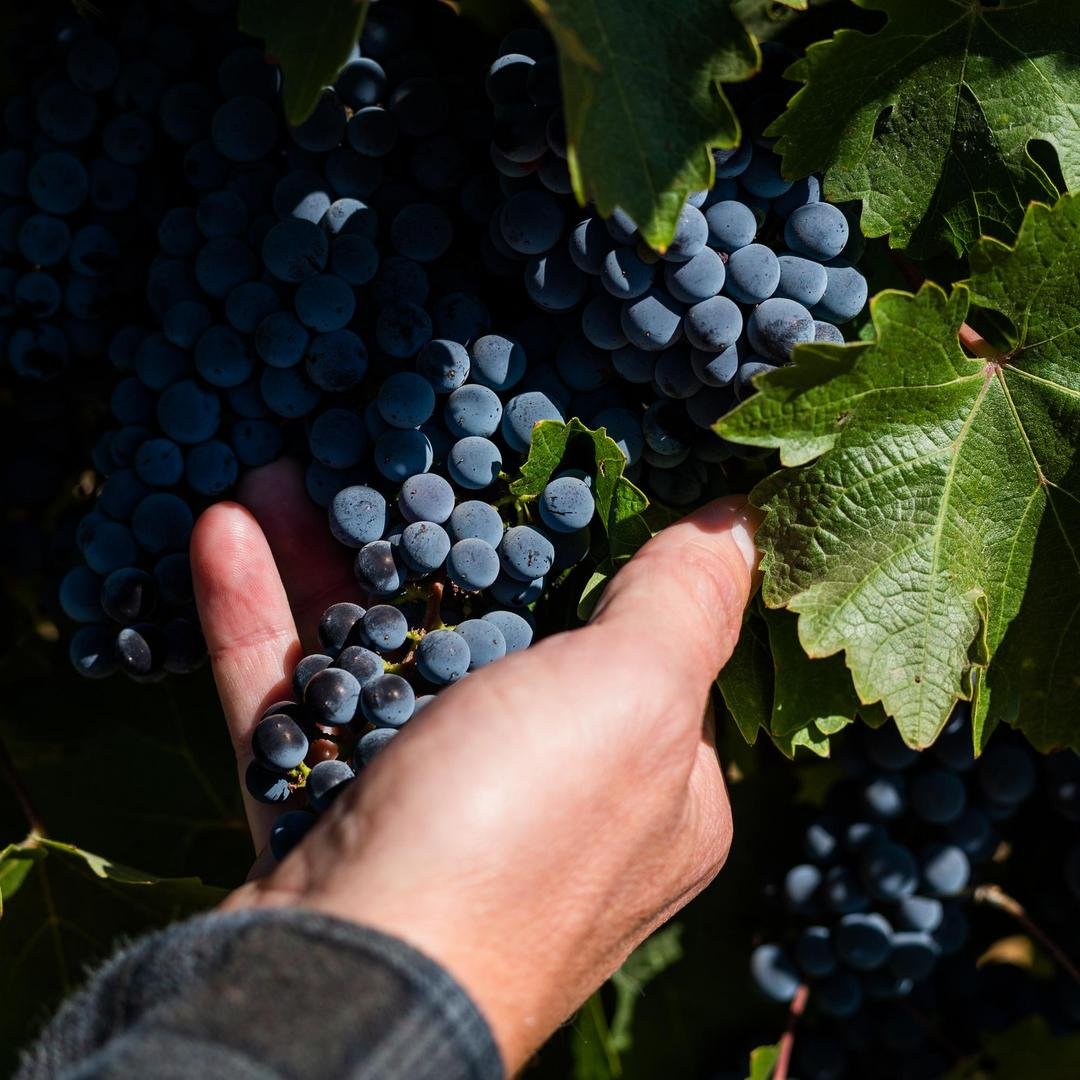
743 526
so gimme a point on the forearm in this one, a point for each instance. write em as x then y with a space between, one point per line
267 994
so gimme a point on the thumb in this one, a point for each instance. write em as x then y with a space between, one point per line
683 594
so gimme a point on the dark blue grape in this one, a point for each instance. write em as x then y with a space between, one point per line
525 553
331 697
387 701
1007 773
162 522
358 516
945 869
472 563
566 504
776 326
652 321
800 886
337 623
773 972
295 250
372 743
288 830
278 743
523 412
938 796
814 952
376 569
914 954
326 782
424 546
485 641
816 230
426 497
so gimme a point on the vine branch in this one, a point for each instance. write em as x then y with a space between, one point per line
787 1040
997 897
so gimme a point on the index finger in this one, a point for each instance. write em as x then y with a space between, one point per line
250 635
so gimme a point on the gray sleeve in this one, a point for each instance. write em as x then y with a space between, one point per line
264 995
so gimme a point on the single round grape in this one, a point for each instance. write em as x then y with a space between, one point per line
732 225
362 664
776 326
295 250
802 280
444 364
128 595
698 278
485 641
653 321
497 362
422 232
387 701
800 886
753 274
525 553
384 627
336 624
511 592
306 669
278 743
162 522
473 519
338 438
516 630
472 563
372 131
426 497
472 410
288 830
402 329
358 515
474 462
601 323
401 453
945 869
424 546
566 504
842 893
633 364
80 594
588 244
621 227
817 230
553 282
625 275
914 954
405 400
331 697
713 325
845 294
523 412
376 569
372 743
326 782
773 972
814 952
691 235
288 393
864 941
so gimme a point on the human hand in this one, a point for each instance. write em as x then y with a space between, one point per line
542 816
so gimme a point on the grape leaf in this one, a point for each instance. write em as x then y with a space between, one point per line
763 1061
643 100
620 506
1028 1048
929 121
918 482
771 684
64 908
599 1043
311 42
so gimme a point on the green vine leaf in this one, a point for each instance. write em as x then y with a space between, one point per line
64 908
643 100
310 41
929 121
621 507
919 481
763 1061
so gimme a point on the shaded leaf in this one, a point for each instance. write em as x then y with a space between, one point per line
928 122
917 484
1028 1049
746 681
643 100
65 908
309 41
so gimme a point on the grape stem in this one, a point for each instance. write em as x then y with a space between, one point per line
998 898
787 1040
18 789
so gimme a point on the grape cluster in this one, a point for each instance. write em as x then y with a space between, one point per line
88 155
757 266
877 918
265 287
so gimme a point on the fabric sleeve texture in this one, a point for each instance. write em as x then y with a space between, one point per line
264 995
